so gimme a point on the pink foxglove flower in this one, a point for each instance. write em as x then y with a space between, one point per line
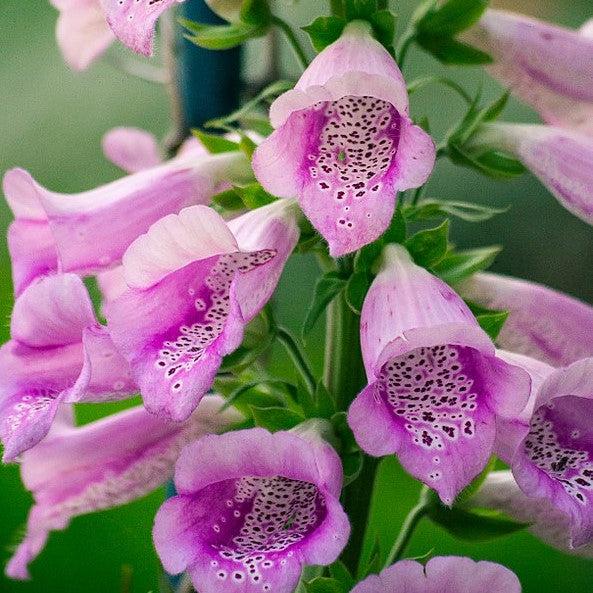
543 323
82 31
443 574
253 508
344 143
134 21
102 465
548 67
435 384
500 492
552 455
561 159
58 353
194 283
90 231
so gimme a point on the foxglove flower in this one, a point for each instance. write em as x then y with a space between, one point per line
344 143
82 31
435 384
89 232
548 67
443 574
194 283
58 353
500 492
102 465
552 453
561 159
543 323
253 508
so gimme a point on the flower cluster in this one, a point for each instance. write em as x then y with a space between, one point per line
185 275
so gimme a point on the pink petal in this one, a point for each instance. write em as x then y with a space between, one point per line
112 283
133 21
82 33
132 149
543 323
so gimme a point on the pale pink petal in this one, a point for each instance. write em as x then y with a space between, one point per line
112 283
132 149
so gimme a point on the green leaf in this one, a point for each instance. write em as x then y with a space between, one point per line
367 256
324 30
339 571
492 323
221 36
356 290
494 110
451 18
262 394
359 9
256 12
326 289
214 143
228 200
397 231
470 212
324 585
429 247
275 418
452 52
458 266
383 22
254 195
490 163
475 525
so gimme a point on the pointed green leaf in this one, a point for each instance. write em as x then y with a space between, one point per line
458 266
222 36
452 52
228 200
429 247
492 323
452 17
396 233
275 418
324 30
383 22
254 195
359 9
326 289
356 290
215 144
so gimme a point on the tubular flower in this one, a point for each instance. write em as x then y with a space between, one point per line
102 465
134 21
552 454
194 282
543 323
344 143
58 353
561 159
435 384
89 232
443 574
82 32
253 508
546 66
500 492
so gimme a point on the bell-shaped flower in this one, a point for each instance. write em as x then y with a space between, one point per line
548 67
561 159
552 452
436 386
134 21
57 353
442 574
194 282
79 470
82 31
344 143
253 508
543 323
500 492
89 232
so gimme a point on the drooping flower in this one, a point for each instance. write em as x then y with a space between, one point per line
500 492
194 283
552 453
435 383
57 353
443 574
561 159
344 143
82 31
253 508
89 232
543 323
546 66
76 471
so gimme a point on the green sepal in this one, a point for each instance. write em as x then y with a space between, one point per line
324 585
451 18
383 23
256 13
253 195
324 30
476 483
356 289
459 265
316 405
275 418
359 9
339 571
228 200
491 163
490 320
214 143
429 209
428 247
452 52
219 37
262 394
326 290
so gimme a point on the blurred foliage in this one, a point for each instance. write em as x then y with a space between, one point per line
51 123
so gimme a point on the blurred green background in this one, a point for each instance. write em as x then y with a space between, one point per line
51 123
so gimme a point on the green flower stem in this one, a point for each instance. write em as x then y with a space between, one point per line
298 358
403 46
408 527
298 50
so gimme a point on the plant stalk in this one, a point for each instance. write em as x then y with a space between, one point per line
298 50
298 358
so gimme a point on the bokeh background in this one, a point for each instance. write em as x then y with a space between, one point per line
51 123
